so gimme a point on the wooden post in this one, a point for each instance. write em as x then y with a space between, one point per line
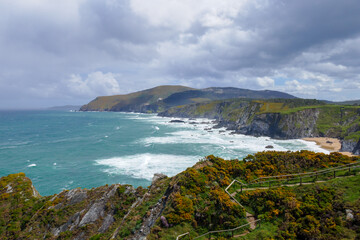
241 188
269 184
316 176
232 234
334 174
209 236
300 181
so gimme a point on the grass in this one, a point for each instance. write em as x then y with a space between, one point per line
266 230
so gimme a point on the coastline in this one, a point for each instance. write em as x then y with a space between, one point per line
330 144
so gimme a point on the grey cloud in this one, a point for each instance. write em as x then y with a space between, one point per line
42 48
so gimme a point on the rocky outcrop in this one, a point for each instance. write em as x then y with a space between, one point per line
280 119
350 146
282 126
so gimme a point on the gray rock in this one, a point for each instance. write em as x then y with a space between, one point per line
158 176
349 215
76 195
95 212
108 220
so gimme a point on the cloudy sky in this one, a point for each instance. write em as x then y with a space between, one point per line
70 51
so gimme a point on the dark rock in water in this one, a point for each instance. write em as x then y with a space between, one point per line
330 142
207 129
232 133
222 131
269 146
210 131
192 122
177 121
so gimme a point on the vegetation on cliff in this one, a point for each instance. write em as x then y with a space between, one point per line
281 118
193 201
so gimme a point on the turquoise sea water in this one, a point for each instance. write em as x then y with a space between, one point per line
65 150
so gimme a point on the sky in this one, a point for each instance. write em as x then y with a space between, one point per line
71 51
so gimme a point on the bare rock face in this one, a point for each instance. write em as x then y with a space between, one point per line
158 176
95 212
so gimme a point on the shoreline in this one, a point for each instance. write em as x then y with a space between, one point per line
327 143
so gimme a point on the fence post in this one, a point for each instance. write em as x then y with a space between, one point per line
232 234
300 181
269 184
209 236
241 188
334 174
316 176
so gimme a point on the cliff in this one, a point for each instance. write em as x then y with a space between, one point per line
280 118
192 201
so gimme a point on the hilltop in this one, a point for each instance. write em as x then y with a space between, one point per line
160 98
193 201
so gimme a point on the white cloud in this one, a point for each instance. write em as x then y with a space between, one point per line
181 14
265 82
95 84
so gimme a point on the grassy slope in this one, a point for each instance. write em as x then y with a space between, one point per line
195 199
349 190
141 97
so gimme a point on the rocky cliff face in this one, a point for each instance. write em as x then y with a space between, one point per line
298 125
71 214
281 122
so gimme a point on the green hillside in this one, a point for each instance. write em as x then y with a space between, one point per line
132 101
161 98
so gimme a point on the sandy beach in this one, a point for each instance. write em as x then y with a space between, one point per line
331 144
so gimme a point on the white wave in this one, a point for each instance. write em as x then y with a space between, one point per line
144 166
32 165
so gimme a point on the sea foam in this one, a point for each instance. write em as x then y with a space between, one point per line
144 166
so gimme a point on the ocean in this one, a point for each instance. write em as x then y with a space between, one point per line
64 150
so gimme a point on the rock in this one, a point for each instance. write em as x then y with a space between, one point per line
95 212
158 176
329 142
164 222
349 215
76 195
177 121
108 220
269 146
9 189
